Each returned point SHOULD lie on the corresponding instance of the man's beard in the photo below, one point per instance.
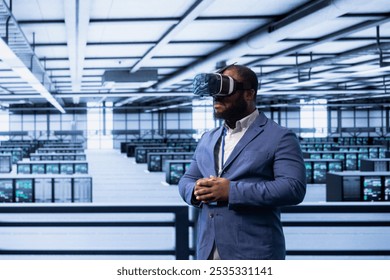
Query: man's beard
(234, 113)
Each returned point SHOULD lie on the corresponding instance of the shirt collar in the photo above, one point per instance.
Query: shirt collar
(244, 123)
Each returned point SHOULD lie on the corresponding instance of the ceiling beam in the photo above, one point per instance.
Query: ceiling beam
(77, 16)
(188, 18)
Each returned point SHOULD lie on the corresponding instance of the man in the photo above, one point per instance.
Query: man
(240, 175)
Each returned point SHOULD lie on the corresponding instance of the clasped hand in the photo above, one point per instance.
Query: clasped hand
(212, 189)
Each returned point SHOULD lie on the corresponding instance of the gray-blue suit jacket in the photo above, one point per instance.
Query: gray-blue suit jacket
(266, 171)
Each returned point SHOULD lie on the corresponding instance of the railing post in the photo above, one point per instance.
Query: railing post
(181, 234)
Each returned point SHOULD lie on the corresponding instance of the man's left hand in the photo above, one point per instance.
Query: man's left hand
(212, 189)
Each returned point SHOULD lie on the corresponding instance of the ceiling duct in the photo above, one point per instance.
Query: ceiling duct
(19, 56)
(127, 79)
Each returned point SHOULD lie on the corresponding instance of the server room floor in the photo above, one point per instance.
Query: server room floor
(118, 180)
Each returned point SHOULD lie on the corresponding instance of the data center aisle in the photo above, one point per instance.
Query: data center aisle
(119, 179)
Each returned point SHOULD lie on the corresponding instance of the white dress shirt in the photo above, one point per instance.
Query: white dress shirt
(233, 136)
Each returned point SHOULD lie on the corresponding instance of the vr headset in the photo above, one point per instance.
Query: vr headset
(215, 84)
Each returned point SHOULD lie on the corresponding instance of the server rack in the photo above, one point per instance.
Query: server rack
(316, 169)
(60, 150)
(5, 163)
(175, 169)
(375, 164)
(55, 156)
(156, 161)
(351, 159)
(17, 153)
(52, 167)
(141, 153)
(45, 188)
(358, 186)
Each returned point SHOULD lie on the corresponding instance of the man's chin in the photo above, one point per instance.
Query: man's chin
(219, 116)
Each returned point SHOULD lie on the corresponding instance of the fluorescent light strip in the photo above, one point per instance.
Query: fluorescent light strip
(168, 107)
(127, 100)
(12, 61)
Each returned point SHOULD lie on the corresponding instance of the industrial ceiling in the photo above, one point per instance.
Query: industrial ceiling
(60, 54)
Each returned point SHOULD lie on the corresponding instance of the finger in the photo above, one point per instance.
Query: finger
(202, 191)
(206, 182)
(199, 182)
(205, 198)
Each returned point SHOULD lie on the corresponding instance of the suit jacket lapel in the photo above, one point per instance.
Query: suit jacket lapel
(255, 129)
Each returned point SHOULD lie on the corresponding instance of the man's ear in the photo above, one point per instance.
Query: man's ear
(250, 95)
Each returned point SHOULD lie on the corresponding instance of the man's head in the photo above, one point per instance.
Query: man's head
(241, 102)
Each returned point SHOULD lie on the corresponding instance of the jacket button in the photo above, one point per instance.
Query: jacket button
(211, 215)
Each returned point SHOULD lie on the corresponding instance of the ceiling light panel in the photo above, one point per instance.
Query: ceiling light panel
(114, 50)
(143, 9)
(252, 7)
(38, 9)
(218, 30)
(170, 62)
(379, 7)
(52, 33)
(323, 28)
(109, 63)
(143, 31)
(189, 49)
(359, 59)
(371, 32)
(51, 51)
(274, 48)
(337, 47)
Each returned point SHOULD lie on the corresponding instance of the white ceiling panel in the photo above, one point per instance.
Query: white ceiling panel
(109, 63)
(359, 59)
(188, 49)
(336, 47)
(38, 9)
(169, 62)
(59, 72)
(55, 64)
(50, 33)
(51, 51)
(93, 72)
(371, 32)
(274, 48)
(323, 28)
(144, 31)
(129, 50)
(139, 9)
(381, 6)
(251, 7)
(218, 30)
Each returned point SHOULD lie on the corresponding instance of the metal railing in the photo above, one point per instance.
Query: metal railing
(180, 223)
(335, 209)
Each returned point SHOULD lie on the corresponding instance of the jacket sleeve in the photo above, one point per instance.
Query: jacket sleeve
(187, 182)
(288, 186)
